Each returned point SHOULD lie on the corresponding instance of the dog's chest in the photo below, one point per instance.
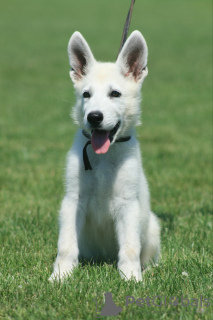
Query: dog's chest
(100, 196)
(106, 188)
(98, 229)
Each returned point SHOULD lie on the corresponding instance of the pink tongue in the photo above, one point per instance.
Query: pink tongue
(100, 141)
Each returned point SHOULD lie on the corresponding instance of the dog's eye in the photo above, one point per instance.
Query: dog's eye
(115, 94)
(86, 94)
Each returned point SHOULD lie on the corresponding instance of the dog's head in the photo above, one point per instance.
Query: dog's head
(108, 94)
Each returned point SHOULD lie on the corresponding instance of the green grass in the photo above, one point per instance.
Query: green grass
(36, 132)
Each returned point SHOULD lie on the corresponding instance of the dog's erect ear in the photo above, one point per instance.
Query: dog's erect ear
(133, 57)
(80, 56)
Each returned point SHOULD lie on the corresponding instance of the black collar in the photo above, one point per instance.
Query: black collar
(87, 164)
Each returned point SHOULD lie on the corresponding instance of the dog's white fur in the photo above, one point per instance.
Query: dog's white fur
(106, 212)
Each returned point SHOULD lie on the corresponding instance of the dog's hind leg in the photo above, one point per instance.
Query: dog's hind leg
(150, 252)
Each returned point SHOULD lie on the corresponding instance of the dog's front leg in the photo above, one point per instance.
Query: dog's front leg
(129, 231)
(67, 257)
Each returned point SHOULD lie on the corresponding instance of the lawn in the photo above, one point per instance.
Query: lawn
(36, 132)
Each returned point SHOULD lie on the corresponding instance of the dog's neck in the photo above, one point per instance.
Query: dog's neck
(87, 164)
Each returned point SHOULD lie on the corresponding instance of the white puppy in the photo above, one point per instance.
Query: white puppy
(106, 214)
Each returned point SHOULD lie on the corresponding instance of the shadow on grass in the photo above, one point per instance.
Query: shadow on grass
(97, 263)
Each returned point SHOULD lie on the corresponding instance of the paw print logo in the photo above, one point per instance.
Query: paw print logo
(110, 308)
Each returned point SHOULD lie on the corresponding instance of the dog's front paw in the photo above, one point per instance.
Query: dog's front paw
(55, 277)
(130, 272)
(62, 270)
(60, 275)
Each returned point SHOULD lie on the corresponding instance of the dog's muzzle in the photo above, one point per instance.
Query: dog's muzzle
(100, 140)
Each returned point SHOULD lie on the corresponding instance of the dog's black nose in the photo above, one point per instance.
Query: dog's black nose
(95, 118)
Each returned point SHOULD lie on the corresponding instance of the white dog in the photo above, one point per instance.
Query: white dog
(106, 214)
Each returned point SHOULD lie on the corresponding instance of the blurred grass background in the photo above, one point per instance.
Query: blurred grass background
(36, 132)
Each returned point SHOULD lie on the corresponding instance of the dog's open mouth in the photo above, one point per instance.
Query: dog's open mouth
(101, 139)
